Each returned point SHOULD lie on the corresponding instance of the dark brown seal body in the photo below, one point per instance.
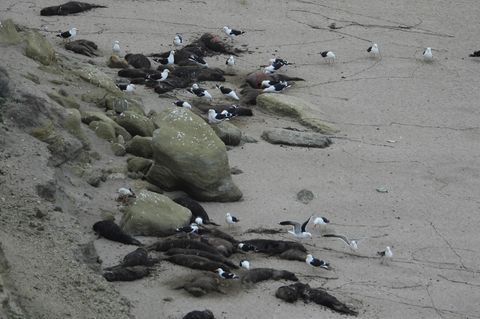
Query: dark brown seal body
(110, 230)
(201, 253)
(202, 284)
(84, 47)
(274, 247)
(182, 243)
(194, 207)
(138, 61)
(261, 274)
(196, 314)
(126, 273)
(197, 262)
(138, 257)
(68, 8)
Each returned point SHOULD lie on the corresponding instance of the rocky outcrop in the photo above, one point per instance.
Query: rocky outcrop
(39, 49)
(154, 214)
(228, 133)
(189, 156)
(139, 164)
(93, 75)
(140, 146)
(136, 124)
(296, 138)
(9, 33)
(295, 108)
(90, 116)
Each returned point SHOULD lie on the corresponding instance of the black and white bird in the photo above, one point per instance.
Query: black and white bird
(129, 88)
(267, 83)
(182, 104)
(246, 247)
(160, 77)
(279, 60)
(427, 54)
(116, 47)
(198, 60)
(245, 264)
(168, 60)
(215, 118)
(298, 230)
(226, 275)
(190, 229)
(320, 221)
(352, 243)
(312, 261)
(68, 35)
(231, 220)
(178, 40)
(200, 92)
(232, 33)
(475, 54)
(374, 50)
(275, 66)
(230, 61)
(125, 193)
(386, 254)
(279, 87)
(227, 92)
(329, 56)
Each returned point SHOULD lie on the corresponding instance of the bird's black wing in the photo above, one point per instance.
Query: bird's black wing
(304, 225)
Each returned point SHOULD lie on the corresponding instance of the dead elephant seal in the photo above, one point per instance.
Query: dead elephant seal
(138, 61)
(126, 273)
(201, 253)
(165, 245)
(261, 274)
(197, 262)
(84, 47)
(206, 314)
(274, 247)
(298, 290)
(68, 8)
(201, 284)
(138, 257)
(110, 230)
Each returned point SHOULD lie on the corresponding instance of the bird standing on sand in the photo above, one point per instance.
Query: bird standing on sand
(231, 220)
(227, 92)
(226, 275)
(245, 264)
(178, 40)
(427, 54)
(298, 231)
(232, 33)
(116, 47)
(275, 66)
(124, 194)
(386, 254)
(230, 61)
(312, 261)
(200, 92)
(68, 35)
(374, 50)
(329, 56)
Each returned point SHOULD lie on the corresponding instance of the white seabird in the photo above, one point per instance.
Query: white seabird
(329, 56)
(168, 60)
(275, 88)
(129, 88)
(427, 54)
(182, 104)
(178, 40)
(198, 60)
(298, 231)
(352, 243)
(215, 118)
(116, 47)
(226, 275)
(386, 254)
(273, 67)
(312, 261)
(228, 92)
(68, 35)
(230, 61)
(374, 50)
(320, 221)
(231, 220)
(245, 264)
(192, 228)
(125, 193)
(232, 33)
(200, 92)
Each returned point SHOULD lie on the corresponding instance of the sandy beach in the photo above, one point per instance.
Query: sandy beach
(405, 126)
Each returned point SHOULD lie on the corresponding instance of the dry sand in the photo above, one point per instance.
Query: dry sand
(431, 170)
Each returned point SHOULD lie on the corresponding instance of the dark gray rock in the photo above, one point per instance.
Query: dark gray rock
(47, 191)
(296, 138)
(305, 196)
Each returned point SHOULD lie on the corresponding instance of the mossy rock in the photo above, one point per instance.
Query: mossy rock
(93, 75)
(140, 146)
(72, 123)
(136, 124)
(39, 49)
(228, 133)
(121, 104)
(118, 149)
(302, 111)
(44, 132)
(67, 101)
(9, 33)
(139, 164)
(32, 77)
(89, 116)
(103, 130)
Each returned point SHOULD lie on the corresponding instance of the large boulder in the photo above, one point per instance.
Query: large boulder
(189, 156)
(228, 133)
(140, 146)
(296, 138)
(294, 107)
(93, 75)
(103, 130)
(136, 124)
(39, 49)
(153, 214)
(90, 116)
(9, 33)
